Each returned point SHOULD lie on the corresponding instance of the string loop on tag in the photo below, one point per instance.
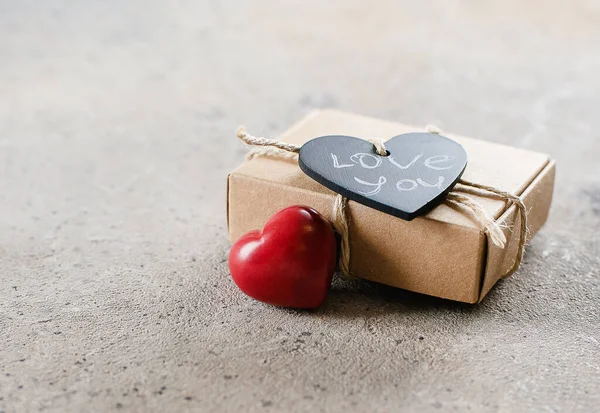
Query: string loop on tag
(261, 146)
(379, 146)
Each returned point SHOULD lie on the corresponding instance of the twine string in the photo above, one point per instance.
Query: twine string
(261, 146)
(379, 146)
(340, 222)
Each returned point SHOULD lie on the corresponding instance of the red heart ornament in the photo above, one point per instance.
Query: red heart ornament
(290, 262)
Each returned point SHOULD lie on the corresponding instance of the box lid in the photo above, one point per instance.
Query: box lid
(503, 167)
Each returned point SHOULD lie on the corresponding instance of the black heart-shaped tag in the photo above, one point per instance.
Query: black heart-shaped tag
(419, 170)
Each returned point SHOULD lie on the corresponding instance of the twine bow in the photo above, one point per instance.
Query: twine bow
(261, 146)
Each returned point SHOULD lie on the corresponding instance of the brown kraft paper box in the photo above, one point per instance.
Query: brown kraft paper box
(444, 253)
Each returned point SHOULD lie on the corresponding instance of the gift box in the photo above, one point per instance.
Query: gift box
(443, 253)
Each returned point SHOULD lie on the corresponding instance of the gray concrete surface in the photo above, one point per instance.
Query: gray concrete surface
(116, 134)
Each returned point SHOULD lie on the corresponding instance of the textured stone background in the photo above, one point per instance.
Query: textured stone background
(116, 134)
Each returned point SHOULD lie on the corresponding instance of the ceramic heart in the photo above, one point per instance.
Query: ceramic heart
(419, 170)
(290, 262)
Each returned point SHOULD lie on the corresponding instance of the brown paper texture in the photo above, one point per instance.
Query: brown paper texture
(443, 253)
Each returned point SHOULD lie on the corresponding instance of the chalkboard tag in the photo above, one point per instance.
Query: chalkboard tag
(418, 171)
